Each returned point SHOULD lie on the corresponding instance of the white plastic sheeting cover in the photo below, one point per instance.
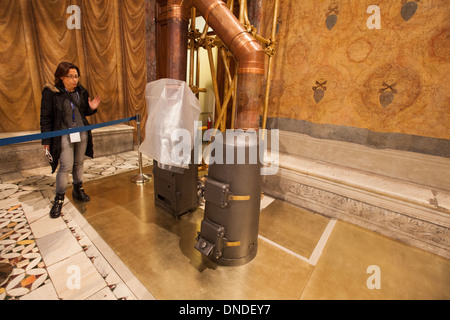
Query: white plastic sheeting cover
(172, 109)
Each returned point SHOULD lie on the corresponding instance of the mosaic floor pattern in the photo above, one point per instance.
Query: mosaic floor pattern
(18, 248)
(53, 258)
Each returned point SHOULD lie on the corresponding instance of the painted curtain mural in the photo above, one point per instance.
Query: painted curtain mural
(108, 47)
(331, 68)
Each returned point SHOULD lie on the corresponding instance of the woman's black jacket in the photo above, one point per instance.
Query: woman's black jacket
(52, 117)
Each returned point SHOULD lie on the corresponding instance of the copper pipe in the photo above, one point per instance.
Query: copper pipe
(247, 52)
(177, 42)
(244, 47)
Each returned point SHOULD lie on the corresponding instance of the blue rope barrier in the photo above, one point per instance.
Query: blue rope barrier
(52, 134)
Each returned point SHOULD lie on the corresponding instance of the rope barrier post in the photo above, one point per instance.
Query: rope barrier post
(141, 177)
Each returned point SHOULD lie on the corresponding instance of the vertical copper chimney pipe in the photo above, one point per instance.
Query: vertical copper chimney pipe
(248, 53)
(177, 41)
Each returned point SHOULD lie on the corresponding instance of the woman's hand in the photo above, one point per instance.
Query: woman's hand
(94, 103)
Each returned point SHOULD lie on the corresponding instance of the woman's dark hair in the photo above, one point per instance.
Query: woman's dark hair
(63, 70)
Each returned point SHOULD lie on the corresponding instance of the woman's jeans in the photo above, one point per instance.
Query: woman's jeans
(71, 160)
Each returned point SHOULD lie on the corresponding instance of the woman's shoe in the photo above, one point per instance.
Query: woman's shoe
(55, 212)
(78, 193)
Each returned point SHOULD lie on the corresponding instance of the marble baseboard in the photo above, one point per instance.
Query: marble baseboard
(364, 137)
(417, 168)
(414, 214)
(113, 140)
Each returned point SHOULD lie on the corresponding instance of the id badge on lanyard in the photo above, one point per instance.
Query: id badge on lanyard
(74, 137)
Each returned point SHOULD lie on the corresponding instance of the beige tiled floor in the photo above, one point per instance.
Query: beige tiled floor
(120, 246)
(405, 272)
(301, 255)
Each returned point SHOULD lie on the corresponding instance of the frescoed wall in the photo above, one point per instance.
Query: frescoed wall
(382, 66)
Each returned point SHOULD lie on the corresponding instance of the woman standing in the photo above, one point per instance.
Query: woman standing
(65, 105)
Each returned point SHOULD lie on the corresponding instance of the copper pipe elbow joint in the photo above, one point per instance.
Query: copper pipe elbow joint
(244, 47)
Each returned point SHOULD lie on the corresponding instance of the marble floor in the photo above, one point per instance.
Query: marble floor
(119, 246)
